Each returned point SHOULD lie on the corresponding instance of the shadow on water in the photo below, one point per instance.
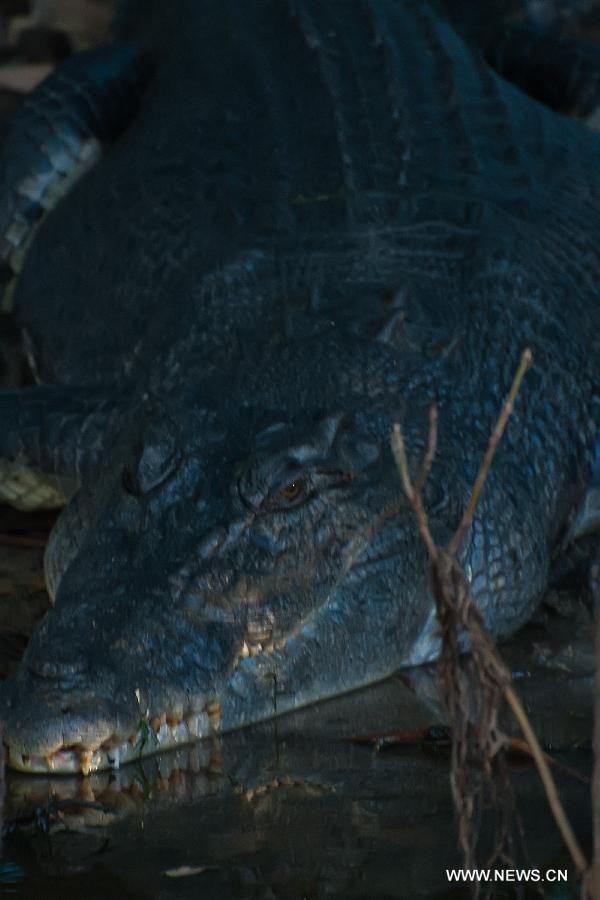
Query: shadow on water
(293, 809)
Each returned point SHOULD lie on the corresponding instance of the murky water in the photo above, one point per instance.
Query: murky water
(293, 809)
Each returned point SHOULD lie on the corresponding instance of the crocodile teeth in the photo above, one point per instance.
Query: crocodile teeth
(85, 761)
(213, 711)
(163, 734)
(158, 721)
(173, 719)
(166, 732)
(198, 725)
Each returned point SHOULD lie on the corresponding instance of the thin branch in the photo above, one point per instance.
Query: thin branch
(456, 541)
(556, 806)
(431, 448)
(414, 496)
(399, 451)
(456, 612)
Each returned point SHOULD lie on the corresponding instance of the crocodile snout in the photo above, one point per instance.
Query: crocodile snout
(46, 729)
(90, 728)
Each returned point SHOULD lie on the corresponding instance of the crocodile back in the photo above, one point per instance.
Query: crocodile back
(300, 131)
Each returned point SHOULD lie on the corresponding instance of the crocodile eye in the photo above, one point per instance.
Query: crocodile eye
(291, 496)
(292, 491)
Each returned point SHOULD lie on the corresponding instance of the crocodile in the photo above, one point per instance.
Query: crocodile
(249, 238)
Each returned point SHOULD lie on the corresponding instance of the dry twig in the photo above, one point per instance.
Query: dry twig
(483, 680)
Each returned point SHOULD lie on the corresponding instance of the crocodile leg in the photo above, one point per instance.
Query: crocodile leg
(61, 130)
(50, 437)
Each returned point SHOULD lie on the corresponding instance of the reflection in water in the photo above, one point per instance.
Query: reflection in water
(10, 876)
(293, 809)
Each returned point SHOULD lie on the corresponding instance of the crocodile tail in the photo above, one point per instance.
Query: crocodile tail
(60, 131)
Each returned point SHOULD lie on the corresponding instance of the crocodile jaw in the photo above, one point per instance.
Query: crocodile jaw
(149, 738)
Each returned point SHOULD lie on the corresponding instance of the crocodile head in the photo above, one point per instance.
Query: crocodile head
(208, 572)
(234, 559)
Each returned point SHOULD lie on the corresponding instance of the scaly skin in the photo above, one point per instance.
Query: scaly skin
(306, 234)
